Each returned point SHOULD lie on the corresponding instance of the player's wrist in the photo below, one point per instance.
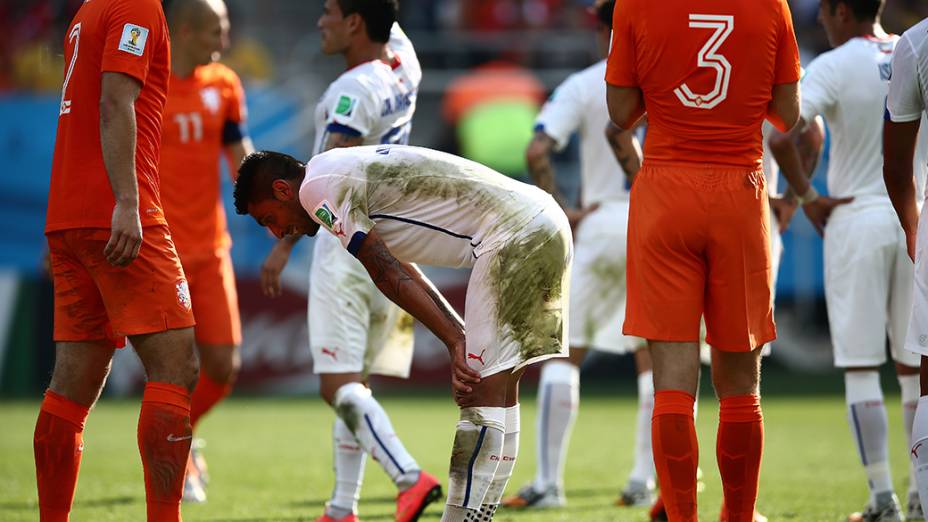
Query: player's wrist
(809, 196)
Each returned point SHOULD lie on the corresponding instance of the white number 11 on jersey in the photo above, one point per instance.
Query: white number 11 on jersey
(708, 57)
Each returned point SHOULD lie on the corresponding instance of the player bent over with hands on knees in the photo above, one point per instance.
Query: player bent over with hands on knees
(354, 331)
(393, 206)
(904, 146)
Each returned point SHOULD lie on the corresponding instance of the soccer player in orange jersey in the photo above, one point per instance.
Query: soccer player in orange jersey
(204, 118)
(698, 242)
(115, 270)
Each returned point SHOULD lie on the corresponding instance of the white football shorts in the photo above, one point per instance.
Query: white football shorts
(353, 327)
(868, 284)
(917, 338)
(516, 304)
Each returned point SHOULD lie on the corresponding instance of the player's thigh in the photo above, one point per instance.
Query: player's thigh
(597, 285)
(168, 356)
(901, 296)
(516, 302)
(80, 315)
(214, 299)
(81, 369)
(917, 333)
(665, 274)
(149, 295)
(339, 312)
(859, 256)
(389, 338)
(736, 373)
(739, 303)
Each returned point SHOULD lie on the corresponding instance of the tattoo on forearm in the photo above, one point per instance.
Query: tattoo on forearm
(387, 270)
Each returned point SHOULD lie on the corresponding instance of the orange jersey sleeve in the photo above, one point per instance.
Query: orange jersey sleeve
(706, 72)
(124, 36)
(204, 113)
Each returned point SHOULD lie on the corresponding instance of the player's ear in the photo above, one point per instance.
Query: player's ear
(355, 23)
(282, 190)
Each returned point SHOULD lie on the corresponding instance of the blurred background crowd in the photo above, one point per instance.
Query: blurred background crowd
(488, 67)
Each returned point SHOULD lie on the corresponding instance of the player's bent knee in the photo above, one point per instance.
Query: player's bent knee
(81, 370)
(335, 386)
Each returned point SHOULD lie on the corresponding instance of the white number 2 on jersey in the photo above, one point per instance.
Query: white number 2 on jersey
(73, 36)
(708, 57)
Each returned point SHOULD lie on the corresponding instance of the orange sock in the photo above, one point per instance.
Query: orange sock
(207, 394)
(58, 445)
(739, 448)
(676, 453)
(164, 442)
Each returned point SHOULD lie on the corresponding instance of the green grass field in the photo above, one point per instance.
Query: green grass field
(270, 460)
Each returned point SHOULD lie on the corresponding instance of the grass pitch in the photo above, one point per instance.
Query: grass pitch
(270, 460)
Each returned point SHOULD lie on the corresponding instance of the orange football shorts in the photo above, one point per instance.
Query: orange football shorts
(215, 300)
(96, 301)
(699, 245)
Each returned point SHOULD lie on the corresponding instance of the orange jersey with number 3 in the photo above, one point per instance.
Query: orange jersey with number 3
(204, 112)
(706, 70)
(123, 36)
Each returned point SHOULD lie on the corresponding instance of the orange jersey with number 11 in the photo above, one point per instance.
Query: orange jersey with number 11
(707, 70)
(204, 112)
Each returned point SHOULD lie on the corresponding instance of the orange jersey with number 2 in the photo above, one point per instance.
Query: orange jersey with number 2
(706, 70)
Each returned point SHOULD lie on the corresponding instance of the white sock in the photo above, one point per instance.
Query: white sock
(869, 427)
(507, 462)
(348, 462)
(909, 386)
(919, 450)
(643, 470)
(478, 443)
(558, 399)
(370, 425)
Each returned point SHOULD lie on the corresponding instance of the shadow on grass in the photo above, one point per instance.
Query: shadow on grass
(96, 502)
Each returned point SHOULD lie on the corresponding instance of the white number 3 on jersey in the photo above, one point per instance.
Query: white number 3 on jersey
(708, 57)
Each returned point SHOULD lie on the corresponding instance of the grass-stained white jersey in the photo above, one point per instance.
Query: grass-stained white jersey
(375, 100)
(430, 207)
(848, 86)
(908, 88)
(579, 104)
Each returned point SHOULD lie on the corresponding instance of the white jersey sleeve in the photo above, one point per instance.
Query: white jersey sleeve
(562, 114)
(905, 102)
(819, 89)
(400, 44)
(338, 203)
(350, 108)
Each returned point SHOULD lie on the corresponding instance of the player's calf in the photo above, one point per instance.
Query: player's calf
(475, 457)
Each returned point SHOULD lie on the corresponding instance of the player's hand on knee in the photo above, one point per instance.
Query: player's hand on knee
(819, 210)
(272, 267)
(462, 375)
(125, 235)
(783, 210)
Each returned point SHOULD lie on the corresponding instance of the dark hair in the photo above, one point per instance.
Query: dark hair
(378, 16)
(604, 13)
(256, 173)
(862, 9)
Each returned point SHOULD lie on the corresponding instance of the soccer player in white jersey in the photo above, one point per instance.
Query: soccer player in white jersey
(904, 147)
(354, 330)
(597, 290)
(392, 206)
(868, 277)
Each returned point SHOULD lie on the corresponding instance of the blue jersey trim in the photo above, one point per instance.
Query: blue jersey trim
(422, 224)
(355, 244)
(342, 129)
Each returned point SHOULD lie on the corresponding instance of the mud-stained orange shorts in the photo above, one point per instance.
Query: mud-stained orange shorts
(698, 244)
(95, 301)
(215, 300)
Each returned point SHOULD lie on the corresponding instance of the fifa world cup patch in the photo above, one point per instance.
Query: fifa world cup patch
(183, 294)
(133, 39)
(345, 105)
(327, 217)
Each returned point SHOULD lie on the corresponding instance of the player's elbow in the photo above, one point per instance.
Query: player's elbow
(779, 141)
(784, 106)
